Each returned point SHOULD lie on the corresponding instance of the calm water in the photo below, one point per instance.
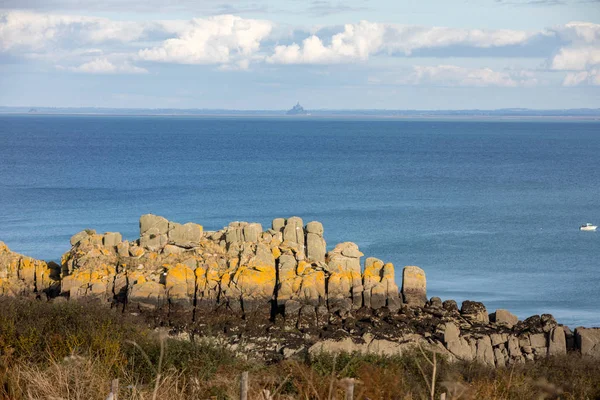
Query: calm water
(489, 209)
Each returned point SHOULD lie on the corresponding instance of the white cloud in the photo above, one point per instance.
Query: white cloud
(101, 45)
(359, 41)
(215, 40)
(34, 31)
(591, 77)
(104, 66)
(452, 75)
(586, 32)
(580, 55)
(576, 58)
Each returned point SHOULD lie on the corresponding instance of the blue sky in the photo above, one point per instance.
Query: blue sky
(266, 54)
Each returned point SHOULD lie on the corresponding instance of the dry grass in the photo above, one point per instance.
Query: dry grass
(74, 351)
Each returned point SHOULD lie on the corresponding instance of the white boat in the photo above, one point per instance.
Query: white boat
(587, 227)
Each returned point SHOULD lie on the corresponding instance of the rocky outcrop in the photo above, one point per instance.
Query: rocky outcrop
(308, 299)
(25, 276)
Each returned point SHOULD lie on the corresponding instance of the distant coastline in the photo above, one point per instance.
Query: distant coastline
(508, 113)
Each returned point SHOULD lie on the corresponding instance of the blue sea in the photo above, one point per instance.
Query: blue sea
(489, 209)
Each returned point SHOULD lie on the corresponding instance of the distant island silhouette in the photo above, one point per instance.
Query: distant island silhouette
(297, 110)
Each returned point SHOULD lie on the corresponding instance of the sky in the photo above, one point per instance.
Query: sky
(269, 54)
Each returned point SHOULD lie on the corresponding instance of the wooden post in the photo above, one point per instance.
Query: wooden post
(348, 384)
(443, 396)
(114, 390)
(350, 390)
(244, 386)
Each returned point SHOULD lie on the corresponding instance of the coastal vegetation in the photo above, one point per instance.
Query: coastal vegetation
(73, 350)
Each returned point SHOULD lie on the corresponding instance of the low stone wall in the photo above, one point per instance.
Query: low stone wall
(284, 275)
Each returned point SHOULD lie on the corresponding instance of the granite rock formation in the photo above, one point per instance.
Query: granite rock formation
(283, 281)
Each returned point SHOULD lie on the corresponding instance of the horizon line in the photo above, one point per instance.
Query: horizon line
(31, 107)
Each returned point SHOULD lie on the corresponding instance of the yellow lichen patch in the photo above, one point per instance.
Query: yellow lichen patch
(27, 270)
(293, 246)
(65, 258)
(388, 272)
(213, 276)
(258, 282)
(414, 278)
(137, 251)
(95, 253)
(276, 252)
(225, 279)
(301, 267)
(180, 281)
(313, 286)
(152, 255)
(319, 279)
(104, 272)
(297, 282)
(200, 273)
(340, 284)
(3, 248)
(372, 272)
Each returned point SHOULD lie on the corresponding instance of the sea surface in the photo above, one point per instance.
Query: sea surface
(489, 209)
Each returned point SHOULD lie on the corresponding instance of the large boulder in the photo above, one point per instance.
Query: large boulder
(180, 284)
(252, 232)
(588, 341)
(287, 277)
(414, 286)
(293, 232)
(186, 235)
(153, 232)
(153, 241)
(159, 225)
(485, 352)
(78, 237)
(345, 289)
(474, 312)
(379, 286)
(558, 342)
(504, 317)
(316, 247)
(148, 295)
(278, 224)
(451, 332)
(111, 239)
